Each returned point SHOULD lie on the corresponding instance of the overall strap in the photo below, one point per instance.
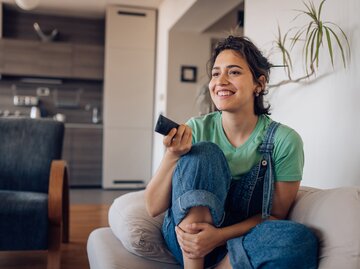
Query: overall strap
(266, 148)
(268, 143)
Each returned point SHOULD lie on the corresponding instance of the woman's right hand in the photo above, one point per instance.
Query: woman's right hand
(178, 141)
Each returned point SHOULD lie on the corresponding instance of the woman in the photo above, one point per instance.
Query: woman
(229, 178)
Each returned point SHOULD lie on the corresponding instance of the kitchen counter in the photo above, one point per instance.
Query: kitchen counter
(83, 125)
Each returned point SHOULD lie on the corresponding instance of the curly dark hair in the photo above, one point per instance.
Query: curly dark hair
(258, 64)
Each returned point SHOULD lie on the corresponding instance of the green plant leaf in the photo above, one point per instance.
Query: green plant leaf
(312, 56)
(313, 34)
(286, 58)
(310, 41)
(308, 29)
(344, 35)
(320, 7)
(296, 37)
(340, 46)
(313, 11)
(329, 45)
(318, 43)
(310, 11)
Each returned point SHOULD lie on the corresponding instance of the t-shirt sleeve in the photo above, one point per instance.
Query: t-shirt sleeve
(192, 124)
(288, 156)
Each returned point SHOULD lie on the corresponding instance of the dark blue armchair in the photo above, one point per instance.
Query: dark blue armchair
(34, 195)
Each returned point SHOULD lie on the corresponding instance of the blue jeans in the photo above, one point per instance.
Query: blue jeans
(202, 178)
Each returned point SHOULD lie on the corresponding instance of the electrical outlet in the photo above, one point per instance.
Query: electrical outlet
(23, 100)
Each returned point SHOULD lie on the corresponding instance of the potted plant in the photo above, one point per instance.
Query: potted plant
(316, 35)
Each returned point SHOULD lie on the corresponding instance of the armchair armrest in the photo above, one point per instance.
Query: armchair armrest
(58, 207)
(334, 215)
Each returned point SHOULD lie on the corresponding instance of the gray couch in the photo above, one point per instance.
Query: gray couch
(133, 240)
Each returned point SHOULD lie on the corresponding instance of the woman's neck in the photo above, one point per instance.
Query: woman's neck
(238, 127)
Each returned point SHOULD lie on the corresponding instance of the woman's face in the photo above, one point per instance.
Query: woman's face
(232, 87)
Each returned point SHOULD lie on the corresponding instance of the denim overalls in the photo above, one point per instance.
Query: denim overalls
(202, 178)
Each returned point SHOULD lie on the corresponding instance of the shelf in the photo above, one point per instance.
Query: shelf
(52, 59)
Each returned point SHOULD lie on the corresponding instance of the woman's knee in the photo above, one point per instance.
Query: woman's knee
(201, 178)
(282, 243)
(205, 166)
(206, 154)
(282, 233)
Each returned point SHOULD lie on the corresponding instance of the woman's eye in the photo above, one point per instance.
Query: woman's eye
(215, 74)
(234, 72)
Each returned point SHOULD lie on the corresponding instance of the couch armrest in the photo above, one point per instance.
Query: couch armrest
(334, 215)
(58, 207)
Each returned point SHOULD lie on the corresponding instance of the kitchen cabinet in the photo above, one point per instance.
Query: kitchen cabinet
(128, 96)
(88, 61)
(56, 59)
(82, 150)
(35, 58)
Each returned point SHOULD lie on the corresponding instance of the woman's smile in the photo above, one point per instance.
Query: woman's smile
(225, 93)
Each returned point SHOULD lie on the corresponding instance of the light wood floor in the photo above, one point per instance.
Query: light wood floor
(83, 220)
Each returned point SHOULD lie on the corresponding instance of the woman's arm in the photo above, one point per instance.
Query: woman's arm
(158, 191)
(208, 237)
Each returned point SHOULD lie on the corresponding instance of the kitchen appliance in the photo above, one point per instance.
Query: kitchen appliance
(35, 112)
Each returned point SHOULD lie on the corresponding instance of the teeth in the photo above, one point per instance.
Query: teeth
(224, 93)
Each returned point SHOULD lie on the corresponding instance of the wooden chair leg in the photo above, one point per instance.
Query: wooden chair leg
(65, 212)
(54, 259)
(54, 250)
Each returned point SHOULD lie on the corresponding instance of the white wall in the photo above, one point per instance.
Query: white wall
(188, 46)
(169, 12)
(325, 112)
(173, 98)
(191, 49)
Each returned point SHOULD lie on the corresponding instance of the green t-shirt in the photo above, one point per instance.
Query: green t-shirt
(288, 154)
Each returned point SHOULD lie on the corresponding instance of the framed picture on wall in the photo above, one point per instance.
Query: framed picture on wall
(188, 73)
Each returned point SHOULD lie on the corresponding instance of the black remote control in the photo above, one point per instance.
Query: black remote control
(164, 125)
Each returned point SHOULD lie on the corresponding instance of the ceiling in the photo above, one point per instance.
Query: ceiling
(84, 8)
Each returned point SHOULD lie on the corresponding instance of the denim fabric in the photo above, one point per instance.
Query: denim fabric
(197, 191)
(204, 161)
(202, 178)
(279, 244)
(266, 149)
(244, 198)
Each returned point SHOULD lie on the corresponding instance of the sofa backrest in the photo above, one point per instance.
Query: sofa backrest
(27, 147)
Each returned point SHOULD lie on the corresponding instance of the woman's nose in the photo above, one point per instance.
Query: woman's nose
(222, 80)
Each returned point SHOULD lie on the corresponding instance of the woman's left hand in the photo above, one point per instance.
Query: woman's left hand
(202, 239)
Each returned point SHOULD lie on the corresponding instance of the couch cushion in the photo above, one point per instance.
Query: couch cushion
(334, 215)
(105, 251)
(24, 220)
(139, 233)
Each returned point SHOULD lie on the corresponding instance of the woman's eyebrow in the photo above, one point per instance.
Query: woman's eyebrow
(228, 66)
(234, 65)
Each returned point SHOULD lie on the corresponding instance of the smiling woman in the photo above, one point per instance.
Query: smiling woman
(239, 171)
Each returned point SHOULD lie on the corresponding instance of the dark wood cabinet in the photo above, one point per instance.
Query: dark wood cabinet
(57, 59)
(88, 61)
(83, 152)
(20, 58)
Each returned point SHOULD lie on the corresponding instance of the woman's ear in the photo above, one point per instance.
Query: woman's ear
(262, 82)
